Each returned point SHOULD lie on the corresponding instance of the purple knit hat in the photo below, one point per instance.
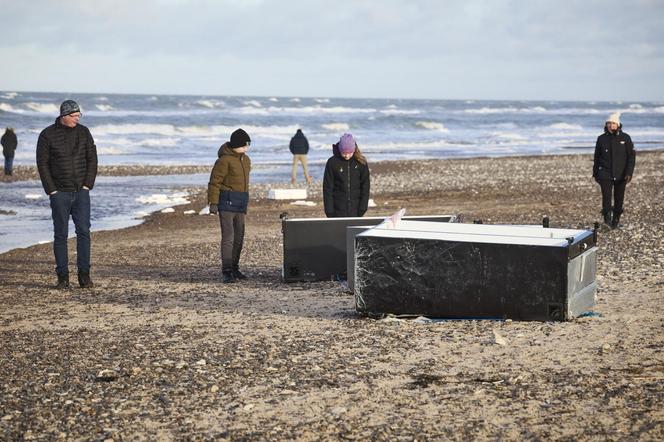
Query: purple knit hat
(346, 144)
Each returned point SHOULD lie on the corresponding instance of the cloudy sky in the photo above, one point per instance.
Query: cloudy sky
(466, 49)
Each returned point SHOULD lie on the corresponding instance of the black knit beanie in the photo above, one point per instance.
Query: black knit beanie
(239, 138)
(69, 107)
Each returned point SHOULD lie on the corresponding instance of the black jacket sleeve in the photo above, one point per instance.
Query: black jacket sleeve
(596, 159)
(43, 155)
(631, 157)
(291, 146)
(328, 189)
(365, 186)
(91, 161)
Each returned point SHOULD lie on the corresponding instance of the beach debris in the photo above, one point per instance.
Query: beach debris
(287, 194)
(106, 375)
(189, 212)
(372, 203)
(303, 203)
(498, 339)
(201, 362)
(205, 211)
(168, 210)
(214, 389)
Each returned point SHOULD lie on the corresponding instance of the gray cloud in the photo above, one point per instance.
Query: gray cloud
(502, 48)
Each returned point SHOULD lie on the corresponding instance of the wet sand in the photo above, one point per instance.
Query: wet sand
(160, 349)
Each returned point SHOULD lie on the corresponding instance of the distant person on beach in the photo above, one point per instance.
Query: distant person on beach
(228, 195)
(9, 143)
(67, 165)
(613, 167)
(346, 182)
(299, 147)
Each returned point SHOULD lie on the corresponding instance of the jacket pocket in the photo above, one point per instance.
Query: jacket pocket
(231, 201)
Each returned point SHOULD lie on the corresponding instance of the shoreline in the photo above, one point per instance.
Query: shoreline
(161, 349)
(23, 173)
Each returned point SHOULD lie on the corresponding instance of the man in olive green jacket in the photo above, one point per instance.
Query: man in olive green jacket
(228, 195)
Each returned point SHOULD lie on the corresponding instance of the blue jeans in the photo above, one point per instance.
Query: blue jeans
(9, 162)
(76, 204)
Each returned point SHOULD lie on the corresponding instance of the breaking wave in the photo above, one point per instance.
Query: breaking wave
(336, 127)
(432, 125)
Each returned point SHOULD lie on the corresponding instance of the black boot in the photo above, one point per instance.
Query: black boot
(63, 282)
(238, 274)
(615, 222)
(84, 280)
(607, 217)
(228, 276)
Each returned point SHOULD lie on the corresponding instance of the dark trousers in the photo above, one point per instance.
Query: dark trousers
(76, 204)
(232, 238)
(617, 188)
(9, 162)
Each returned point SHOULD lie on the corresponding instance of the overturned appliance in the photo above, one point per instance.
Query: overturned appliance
(475, 271)
(315, 248)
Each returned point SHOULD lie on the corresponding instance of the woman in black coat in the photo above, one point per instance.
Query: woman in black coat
(613, 167)
(346, 182)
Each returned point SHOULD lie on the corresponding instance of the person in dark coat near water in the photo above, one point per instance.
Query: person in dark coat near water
(299, 147)
(346, 181)
(9, 143)
(613, 167)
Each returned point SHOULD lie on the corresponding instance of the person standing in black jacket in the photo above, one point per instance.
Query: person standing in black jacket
(613, 167)
(346, 182)
(9, 143)
(67, 165)
(299, 147)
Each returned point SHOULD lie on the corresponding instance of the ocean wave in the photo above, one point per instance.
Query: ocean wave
(211, 104)
(322, 100)
(275, 110)
(400, 111)
(9, 95)
(110, 151)
(46, 108)
(171, 130)
(432, 125)
(5, 107)
(253, 103)
(502, 110)
(159, 142)
(565, 126)
(396, 145)
(336, 127)
(273, 99)
(102, 98)
(104, 107)
(295, 100)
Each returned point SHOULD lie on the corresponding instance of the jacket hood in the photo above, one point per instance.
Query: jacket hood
(335, 151)
(225, 149)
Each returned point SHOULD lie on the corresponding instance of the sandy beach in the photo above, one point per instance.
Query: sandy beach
(161, 350)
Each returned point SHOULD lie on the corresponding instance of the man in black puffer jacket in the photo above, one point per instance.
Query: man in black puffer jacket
(67, 164)
(613, 167)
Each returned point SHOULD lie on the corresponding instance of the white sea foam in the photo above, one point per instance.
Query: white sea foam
(9, 95)
(504, 110)
(33, 196)
(566, 126)
(211, 104)
(189, 212)
(322, 100)
(432, 125)
(295, 100)
(168, 210)
(400, 111)
(511, 136)
(336, 127)
(164, 199)
(394, 145)
(110, 151)
(635, 106)
(253, 103)
(102, 98)
(47, 108)
(5, 107)
(104, 107)
(273, 99)
(159, 142)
